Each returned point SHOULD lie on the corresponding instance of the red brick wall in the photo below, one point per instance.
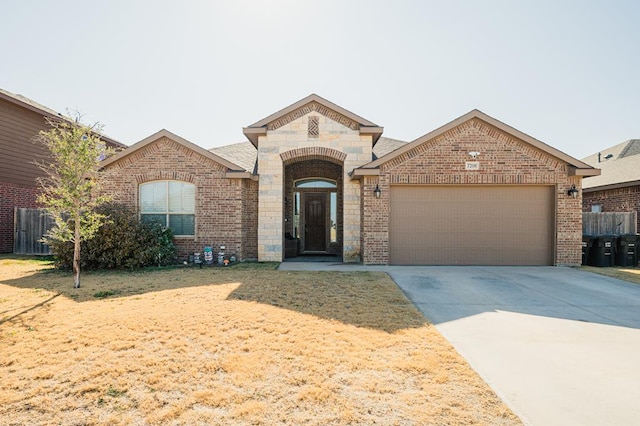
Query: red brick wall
(250, 219)
(11, 196)
(441, 161)
(375, 221)
(224, 207)
(614, 200)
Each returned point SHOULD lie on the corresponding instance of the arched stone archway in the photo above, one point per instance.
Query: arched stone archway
(313, 214)
(313, 153)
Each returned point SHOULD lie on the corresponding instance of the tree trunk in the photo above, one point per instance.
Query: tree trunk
(76, 255)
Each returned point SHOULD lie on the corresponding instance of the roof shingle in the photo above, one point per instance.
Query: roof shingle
(623, 166)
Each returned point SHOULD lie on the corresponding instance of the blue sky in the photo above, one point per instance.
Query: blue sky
(564, 72)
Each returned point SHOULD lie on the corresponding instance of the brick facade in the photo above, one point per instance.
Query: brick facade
(250, 219)
(625, 199)
(312, 141)
(504, 160)
(11, 196)
(226, 210)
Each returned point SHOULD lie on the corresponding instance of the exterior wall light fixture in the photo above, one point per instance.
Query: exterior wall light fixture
(377, 191)
(573, 192)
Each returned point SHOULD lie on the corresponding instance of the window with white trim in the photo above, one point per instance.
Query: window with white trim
(170, 203)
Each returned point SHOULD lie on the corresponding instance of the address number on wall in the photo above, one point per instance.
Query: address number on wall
(472, 165)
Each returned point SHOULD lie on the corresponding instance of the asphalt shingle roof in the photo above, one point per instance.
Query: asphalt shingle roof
(30, 102)
(622, 166)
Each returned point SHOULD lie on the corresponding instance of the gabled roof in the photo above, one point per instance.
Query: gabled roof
(34, 106)
(260, 127)
(167, 134)
(578, 168)
(620, 165)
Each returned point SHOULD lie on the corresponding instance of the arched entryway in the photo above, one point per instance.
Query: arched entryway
(313, 200)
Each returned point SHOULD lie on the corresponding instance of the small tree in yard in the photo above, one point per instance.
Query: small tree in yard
(70, 188)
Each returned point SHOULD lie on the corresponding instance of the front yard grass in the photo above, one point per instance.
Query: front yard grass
(624, 273)
(240, 345)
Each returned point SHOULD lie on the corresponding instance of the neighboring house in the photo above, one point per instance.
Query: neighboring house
(473, 192)
(21, 119)
(617, 189)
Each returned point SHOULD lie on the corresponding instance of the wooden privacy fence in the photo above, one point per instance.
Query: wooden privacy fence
(29, 227)
(609, 223)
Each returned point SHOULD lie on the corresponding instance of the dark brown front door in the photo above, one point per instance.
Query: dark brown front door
(315, 237)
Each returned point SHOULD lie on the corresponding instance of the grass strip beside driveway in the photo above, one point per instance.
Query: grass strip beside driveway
(240, 345)
(624, 273)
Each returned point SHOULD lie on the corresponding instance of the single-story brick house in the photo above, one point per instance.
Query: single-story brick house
(315, 178)
(617, 188)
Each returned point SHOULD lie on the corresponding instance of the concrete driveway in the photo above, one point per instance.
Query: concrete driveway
(560, 346)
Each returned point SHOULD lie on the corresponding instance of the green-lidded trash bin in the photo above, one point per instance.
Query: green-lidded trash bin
(603, 251)
(587, 242)
(627, 250)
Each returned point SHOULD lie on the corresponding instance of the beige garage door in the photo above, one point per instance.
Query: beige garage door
(472, 225)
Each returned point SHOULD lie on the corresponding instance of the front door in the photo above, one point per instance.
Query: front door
(315, 229)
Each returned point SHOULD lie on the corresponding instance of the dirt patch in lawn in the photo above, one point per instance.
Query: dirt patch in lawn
(240, 345)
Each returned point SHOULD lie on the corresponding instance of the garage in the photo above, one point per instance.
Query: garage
(472, 225)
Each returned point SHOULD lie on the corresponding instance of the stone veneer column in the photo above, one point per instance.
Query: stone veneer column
(294, 135)
(270, 220)
(358, 153)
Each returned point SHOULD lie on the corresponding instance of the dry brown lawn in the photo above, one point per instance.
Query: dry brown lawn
(240, 345)
(629, 274)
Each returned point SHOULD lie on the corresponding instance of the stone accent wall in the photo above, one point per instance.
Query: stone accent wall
(614, 200)
(12, 195)
(504, 160)
(225, 208)
(290, 133)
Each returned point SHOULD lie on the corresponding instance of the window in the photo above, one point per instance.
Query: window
(596, 208)
(333, 209)
(171, 203)
(316, 183)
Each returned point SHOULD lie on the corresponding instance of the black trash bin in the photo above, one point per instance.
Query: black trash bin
(587, 242)
(627, 250)
(603, 251)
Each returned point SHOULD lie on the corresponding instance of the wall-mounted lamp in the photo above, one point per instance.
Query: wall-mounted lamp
(474, 154)
(573, 192)
(377, 191)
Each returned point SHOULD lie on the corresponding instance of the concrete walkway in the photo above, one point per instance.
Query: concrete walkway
(560, 346)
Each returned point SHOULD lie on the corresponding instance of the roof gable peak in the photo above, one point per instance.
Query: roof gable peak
(311, 103)
(164, 133)
(479, 115)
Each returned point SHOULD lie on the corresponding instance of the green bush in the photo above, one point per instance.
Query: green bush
(122, 243)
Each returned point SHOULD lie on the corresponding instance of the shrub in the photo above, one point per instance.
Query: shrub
(122, 243)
